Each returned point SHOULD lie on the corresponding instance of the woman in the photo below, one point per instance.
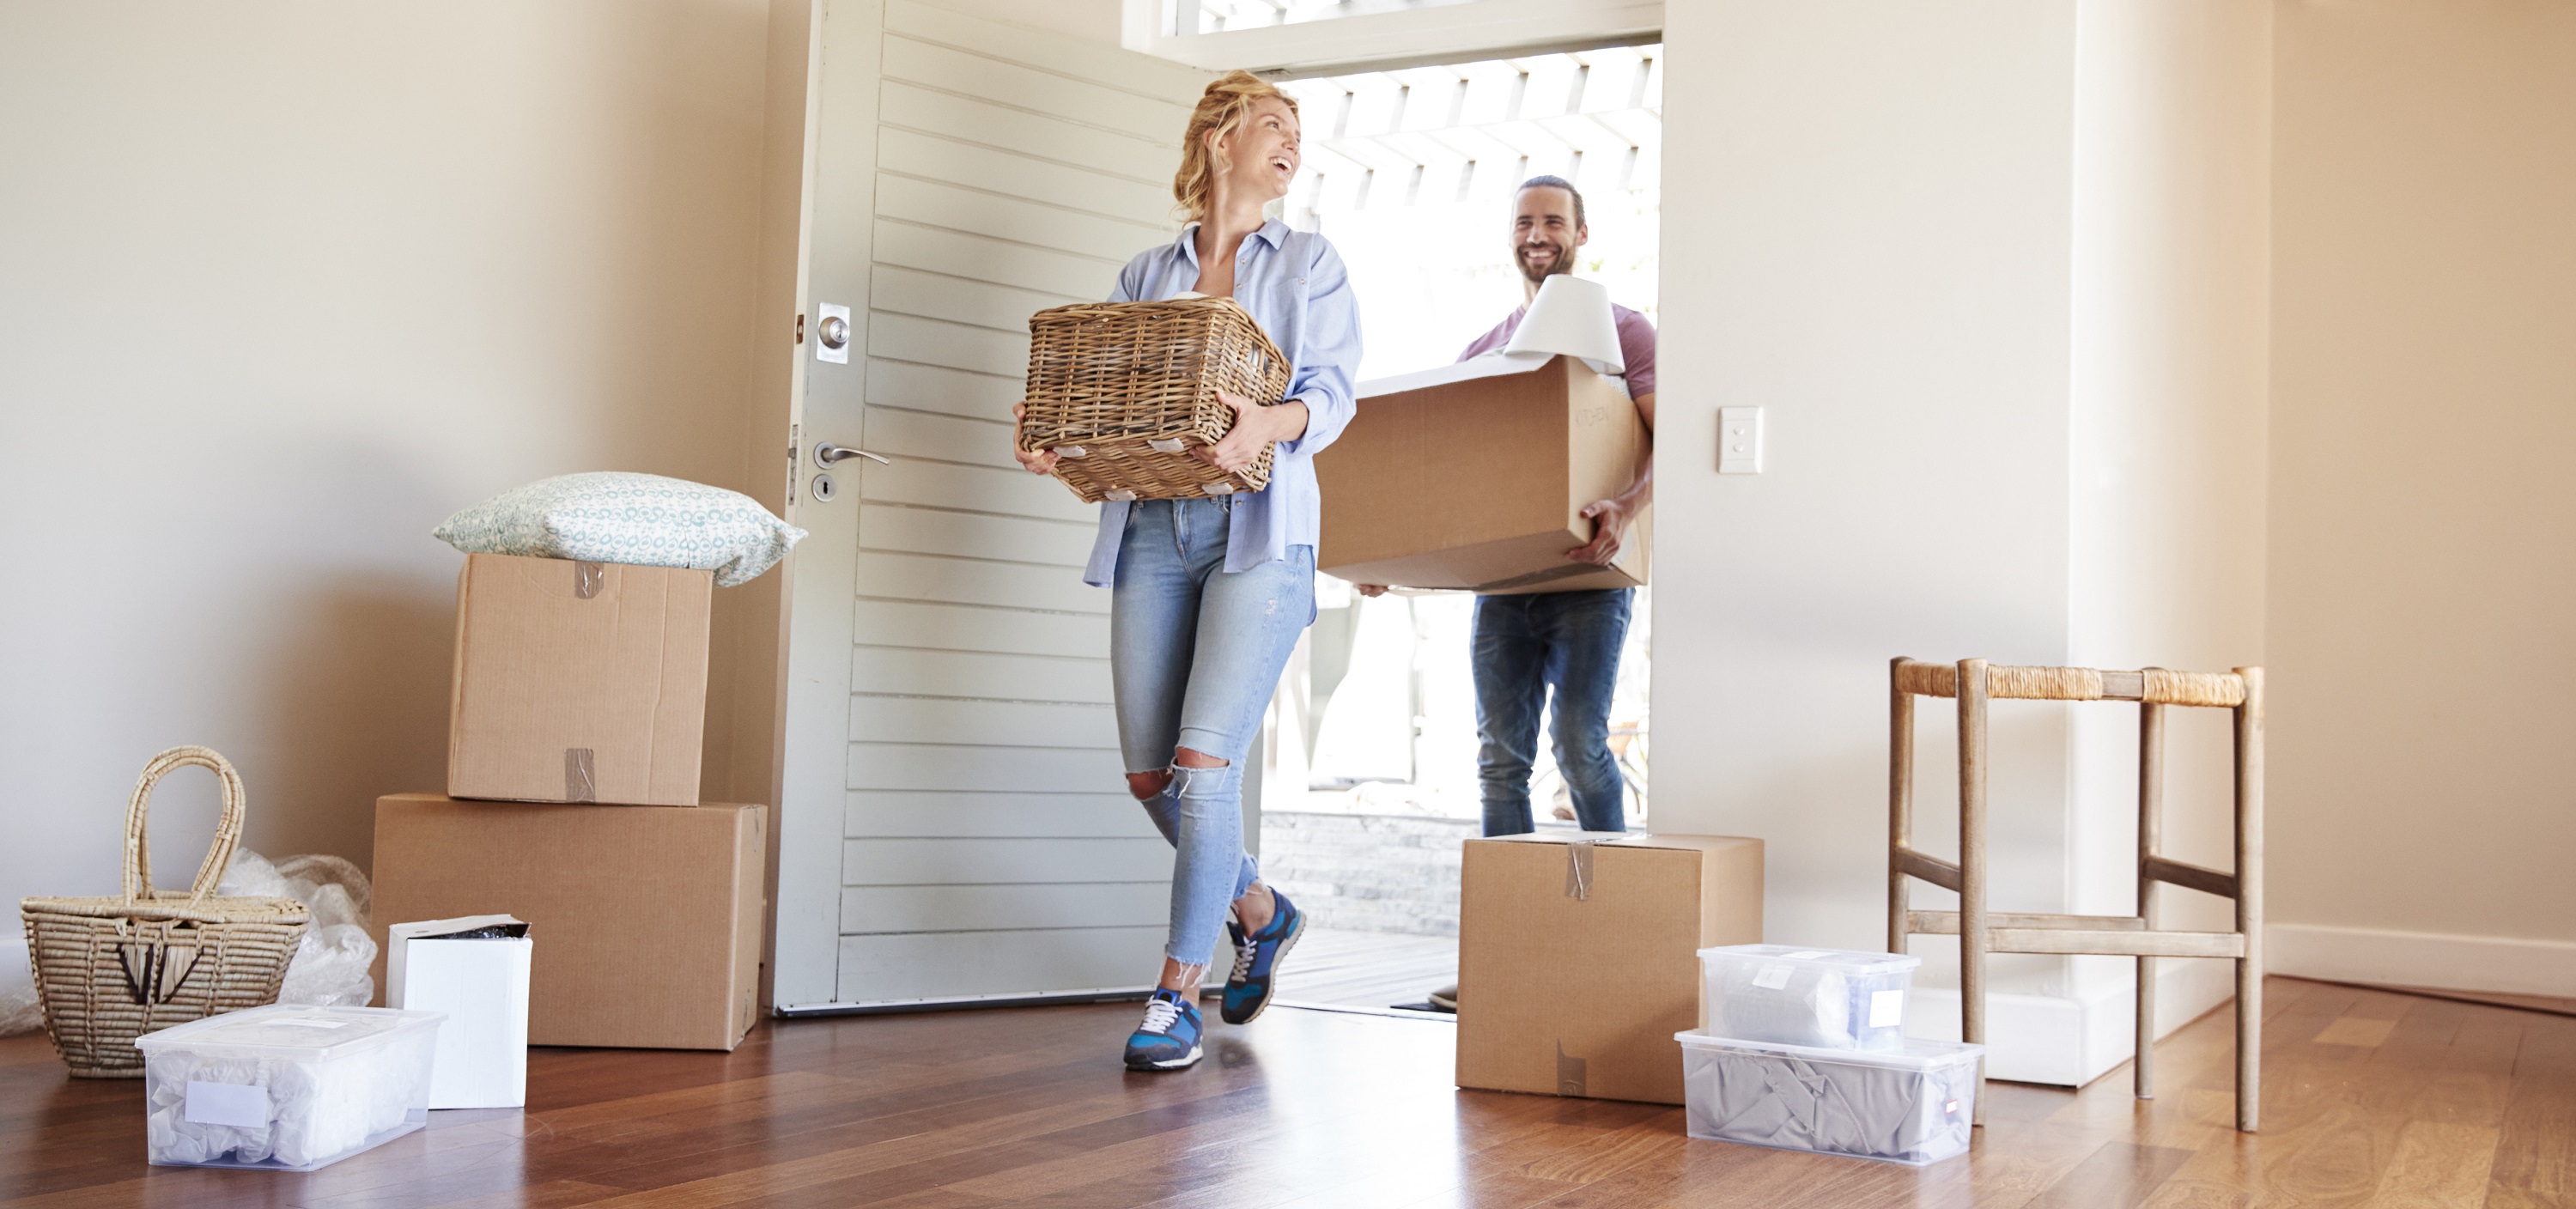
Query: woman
(1208, 595)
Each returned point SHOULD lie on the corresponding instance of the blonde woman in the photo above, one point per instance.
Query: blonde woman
(1208, 595)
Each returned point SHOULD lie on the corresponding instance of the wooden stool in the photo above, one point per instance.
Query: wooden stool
(1973, 682)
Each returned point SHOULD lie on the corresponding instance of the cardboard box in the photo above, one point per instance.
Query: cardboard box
(1476, 475)
(652, 919)
(1578, 956)
(481, 984)
(578, 682)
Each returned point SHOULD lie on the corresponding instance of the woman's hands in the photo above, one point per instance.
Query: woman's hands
(1254, 427)
(1041, 462)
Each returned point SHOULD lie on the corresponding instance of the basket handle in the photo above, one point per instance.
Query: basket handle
(138, 852)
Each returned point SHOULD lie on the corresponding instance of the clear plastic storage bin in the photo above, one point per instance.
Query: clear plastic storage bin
(1911, 1105)
(1820, 997)
(285, 1088)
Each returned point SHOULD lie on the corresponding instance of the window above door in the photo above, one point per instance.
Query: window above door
(1313, 37)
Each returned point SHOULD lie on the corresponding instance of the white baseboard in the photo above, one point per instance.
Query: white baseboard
(2069, 1041)
(2422, 959)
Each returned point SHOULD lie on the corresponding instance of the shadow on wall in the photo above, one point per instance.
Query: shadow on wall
(355, 705)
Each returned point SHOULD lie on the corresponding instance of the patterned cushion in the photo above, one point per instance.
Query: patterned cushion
(615, 517)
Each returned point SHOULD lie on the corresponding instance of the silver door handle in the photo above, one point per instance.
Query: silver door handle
(827, 454)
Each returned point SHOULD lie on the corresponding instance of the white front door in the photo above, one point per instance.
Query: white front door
(953, 825)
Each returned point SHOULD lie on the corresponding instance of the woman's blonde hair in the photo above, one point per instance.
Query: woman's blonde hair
(1223, 109)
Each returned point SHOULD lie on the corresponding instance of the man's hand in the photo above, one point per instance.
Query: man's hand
(1371, 589)
(1610, 520)
(1254, 427)
(1041, 462)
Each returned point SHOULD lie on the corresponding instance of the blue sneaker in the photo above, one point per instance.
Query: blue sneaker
(1169, 1037)
(1256, 960)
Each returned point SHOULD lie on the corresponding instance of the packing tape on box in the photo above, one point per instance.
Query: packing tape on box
(587, 579)
(1578, 871)
(1570, 1073)
(581, 775)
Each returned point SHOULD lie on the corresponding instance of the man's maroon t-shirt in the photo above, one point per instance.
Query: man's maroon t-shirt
(1636, 345)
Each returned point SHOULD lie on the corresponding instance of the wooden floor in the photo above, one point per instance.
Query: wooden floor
(2371, 1099)
(1367, 970)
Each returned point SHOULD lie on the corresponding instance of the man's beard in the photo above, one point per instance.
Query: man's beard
(1563, 264)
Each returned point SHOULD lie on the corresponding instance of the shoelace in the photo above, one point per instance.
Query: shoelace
(1243, 955)
(1159, 1015)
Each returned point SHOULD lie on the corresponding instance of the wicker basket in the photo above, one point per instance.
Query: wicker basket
(111, 969)
(1124, 390)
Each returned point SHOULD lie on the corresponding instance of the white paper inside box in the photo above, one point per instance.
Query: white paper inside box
(285, 1088)
(1913, 1105)
(1822, 997)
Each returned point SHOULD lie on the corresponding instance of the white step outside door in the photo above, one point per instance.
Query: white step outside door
(954, 826)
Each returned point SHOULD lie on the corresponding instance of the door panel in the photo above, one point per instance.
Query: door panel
(915, 815)
(966, 174)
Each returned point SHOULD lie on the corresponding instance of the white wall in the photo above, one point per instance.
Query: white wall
(1984, 265)
(281, 285)
(2423, 528)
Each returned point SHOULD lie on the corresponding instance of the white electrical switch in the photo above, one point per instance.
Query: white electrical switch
(1739, 440)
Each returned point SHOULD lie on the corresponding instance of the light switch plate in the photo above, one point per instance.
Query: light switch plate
(1739, 440)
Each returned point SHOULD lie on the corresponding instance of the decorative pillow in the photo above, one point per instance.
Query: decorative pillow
(616, 517)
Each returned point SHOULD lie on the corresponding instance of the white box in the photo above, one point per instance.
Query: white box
(1828, 998)
(1913, 1105)
(482, 986)
(283, 1087)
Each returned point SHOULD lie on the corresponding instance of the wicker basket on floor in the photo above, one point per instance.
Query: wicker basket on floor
(1124, 390)
(113, 968)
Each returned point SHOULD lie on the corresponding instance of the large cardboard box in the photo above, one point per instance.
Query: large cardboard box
(652, 919)
(1578, 956)
(578, 681)
(1476, 476)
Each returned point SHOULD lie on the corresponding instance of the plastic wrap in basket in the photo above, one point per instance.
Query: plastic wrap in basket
(112, 968)
(1124, 390)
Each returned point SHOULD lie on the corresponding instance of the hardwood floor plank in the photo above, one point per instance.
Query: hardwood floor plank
(2120, 1173)
(2371, 1099)
(2535, 1160)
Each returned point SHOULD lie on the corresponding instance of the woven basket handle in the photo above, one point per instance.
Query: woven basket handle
(138, 852)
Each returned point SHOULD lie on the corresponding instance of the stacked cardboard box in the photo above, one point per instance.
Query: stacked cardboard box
(574, 741)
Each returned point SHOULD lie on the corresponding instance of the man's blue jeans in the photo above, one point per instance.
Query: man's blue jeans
(1195, 651)
(1526, 647)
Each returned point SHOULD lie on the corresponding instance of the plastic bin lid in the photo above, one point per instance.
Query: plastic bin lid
(289, 1031)
(1917, 1054)
(1841, 959)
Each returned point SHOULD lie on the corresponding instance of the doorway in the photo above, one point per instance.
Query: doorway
(1370, 783)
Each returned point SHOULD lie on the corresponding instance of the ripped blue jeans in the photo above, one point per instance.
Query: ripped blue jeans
(1194, 653)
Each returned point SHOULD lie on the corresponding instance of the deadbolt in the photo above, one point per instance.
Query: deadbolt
(835, 331)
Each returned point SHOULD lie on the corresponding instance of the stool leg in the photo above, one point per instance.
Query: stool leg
(1972, 864)
(2151, 761)
(2249, 900)
(1900, 804)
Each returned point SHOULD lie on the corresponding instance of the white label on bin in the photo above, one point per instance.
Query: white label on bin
(1804, 955)
(1771, 978)
(227, 1104)
(1886, 1009)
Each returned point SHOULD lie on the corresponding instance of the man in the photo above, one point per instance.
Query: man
(1527, 646)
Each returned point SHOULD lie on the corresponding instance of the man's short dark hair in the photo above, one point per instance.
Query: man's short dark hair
(1556, 182)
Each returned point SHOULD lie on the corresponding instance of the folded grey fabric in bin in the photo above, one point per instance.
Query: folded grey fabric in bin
(1912, 1105)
